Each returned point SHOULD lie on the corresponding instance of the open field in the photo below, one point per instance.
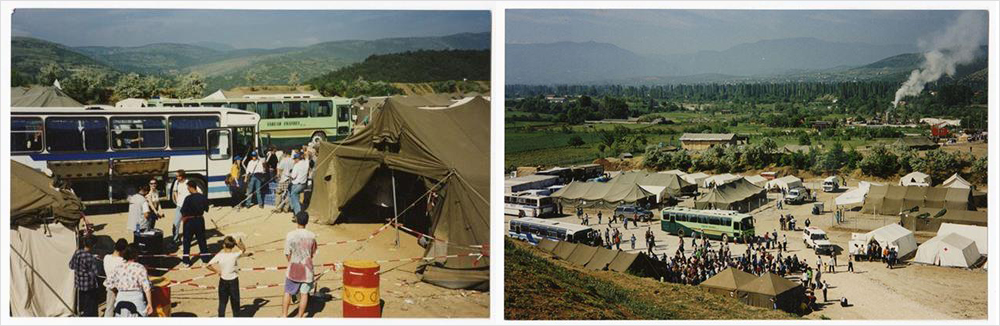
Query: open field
(401, 289)
(911, 291)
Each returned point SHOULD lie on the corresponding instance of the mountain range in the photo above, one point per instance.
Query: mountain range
(779, 60)
(222, 66)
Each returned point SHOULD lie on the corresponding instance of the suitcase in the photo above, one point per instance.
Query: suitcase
(149, 243)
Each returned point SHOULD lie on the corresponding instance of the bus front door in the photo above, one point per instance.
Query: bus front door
(218, 159)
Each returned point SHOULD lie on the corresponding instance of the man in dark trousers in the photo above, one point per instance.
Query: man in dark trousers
(84, 266)
(193, 211)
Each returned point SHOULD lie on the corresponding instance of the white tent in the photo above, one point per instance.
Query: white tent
(757, 180)
(892, 236)
(915, 178)
(718, 180)
(854, 197)
(41, 283)
(956, 181)
(785, 183)
(658, 190)
(695, 178)
(951, 250)
(979, 234)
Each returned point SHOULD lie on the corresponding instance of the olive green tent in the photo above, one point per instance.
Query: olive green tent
(728, 281)
(42, 240)
(664, 185)
(582, 255)
(547, 245)
(447, 152)
(635, 263)
(40, 96)
(892, 199)
(601, 259)
(739, 195)
(787, 295)
(603, 195)
(564, 249)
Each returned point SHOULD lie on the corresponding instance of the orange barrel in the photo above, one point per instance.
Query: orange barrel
(361, 297)
(160, 291)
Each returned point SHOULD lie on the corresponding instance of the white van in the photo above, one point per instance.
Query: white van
(815, 238)
(831, 184)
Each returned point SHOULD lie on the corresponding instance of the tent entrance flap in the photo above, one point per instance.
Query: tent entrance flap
(379, 201)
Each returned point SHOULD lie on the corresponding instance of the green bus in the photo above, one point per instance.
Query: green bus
(285, 120)
(712, 223)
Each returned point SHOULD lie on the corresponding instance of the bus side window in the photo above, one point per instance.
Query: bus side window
(25, 134)
(189, 132)
(295, 110)
(324, 109)
(77, 134)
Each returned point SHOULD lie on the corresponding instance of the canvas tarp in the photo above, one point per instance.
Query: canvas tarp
(979, 234)
(564, 249)
(601, 259)
(728, 280)
(634, 263)
(891, 199)
(41, 283)
(447, 148)
(582, 255)
(784, 183)
(37, 202)
(915, 178)
(786, 294)
(719, 179)
(667, 184)
(854, 197)
(547, 244)
(697, 178)
(41, 96)
(956, 181)
(757, 180)
(603, 195)
(739, 195)
(949, 250)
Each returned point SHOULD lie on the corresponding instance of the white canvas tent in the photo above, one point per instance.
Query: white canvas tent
(979, 234)
(695, 178)
(951, 250)
(891, 236)
(784, 183)
(915, 178)
(41, 283)
(956, 181)
(757, 180)
(718, 180)
(854, 197)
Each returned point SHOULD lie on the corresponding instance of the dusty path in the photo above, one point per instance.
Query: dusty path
(910, 292)
(404, 294)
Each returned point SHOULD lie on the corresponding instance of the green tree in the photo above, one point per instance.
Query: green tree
(190, 86)
(88, 86)
(251, 78)
(293, 79)
(979, 171)
(880, 162)
(575, 141)
(940, 164)
(804, 139)
(49, 73)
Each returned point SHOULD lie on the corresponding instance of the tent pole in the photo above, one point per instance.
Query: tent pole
(395, 210)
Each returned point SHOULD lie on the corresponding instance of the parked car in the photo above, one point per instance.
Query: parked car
(797, 196)
(630, 210)
(831, 184)
(816, 238)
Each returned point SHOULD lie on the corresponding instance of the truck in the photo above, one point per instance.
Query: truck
(831, 184)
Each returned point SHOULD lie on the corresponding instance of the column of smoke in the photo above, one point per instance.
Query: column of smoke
(959, 44)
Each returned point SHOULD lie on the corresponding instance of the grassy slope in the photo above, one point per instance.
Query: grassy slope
(535, 287)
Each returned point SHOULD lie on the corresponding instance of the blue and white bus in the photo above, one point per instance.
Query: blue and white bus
(106, 152)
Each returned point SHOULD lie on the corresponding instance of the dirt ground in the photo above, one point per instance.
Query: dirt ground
(909, 292)
(403, 293)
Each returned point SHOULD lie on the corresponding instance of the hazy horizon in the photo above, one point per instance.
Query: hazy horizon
(675, 31)
(239, 29)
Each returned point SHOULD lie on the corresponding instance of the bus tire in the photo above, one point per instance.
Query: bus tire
(318, 136)
(200, 184)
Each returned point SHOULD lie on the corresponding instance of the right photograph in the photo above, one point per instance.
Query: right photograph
(745, 164)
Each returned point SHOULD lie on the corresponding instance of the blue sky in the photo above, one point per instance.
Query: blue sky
(238, 28)
(686, 31)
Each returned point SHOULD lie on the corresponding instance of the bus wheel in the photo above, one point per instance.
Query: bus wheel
(318, 136)
(200, 184)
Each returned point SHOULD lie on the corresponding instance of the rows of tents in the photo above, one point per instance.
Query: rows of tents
(955, 245)
(599, 258)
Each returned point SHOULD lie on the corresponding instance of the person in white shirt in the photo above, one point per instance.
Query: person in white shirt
(111, 263)
(138, 211)
(181, 192)
(284, 182)
(255, 174)
(225, 264)
(299, 176)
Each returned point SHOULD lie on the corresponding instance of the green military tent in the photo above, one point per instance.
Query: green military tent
(40, 96)
(729, 281)
(892, 199)
(603, 195)
(564, 249)
(582, 255)
(739, 195)
(664, 185)
(42, 241)
(602, 258)
(445, 152)
(787, 295)
(635, 263)
(547, 245)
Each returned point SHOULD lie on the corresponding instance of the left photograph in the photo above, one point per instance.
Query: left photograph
(250, 163)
